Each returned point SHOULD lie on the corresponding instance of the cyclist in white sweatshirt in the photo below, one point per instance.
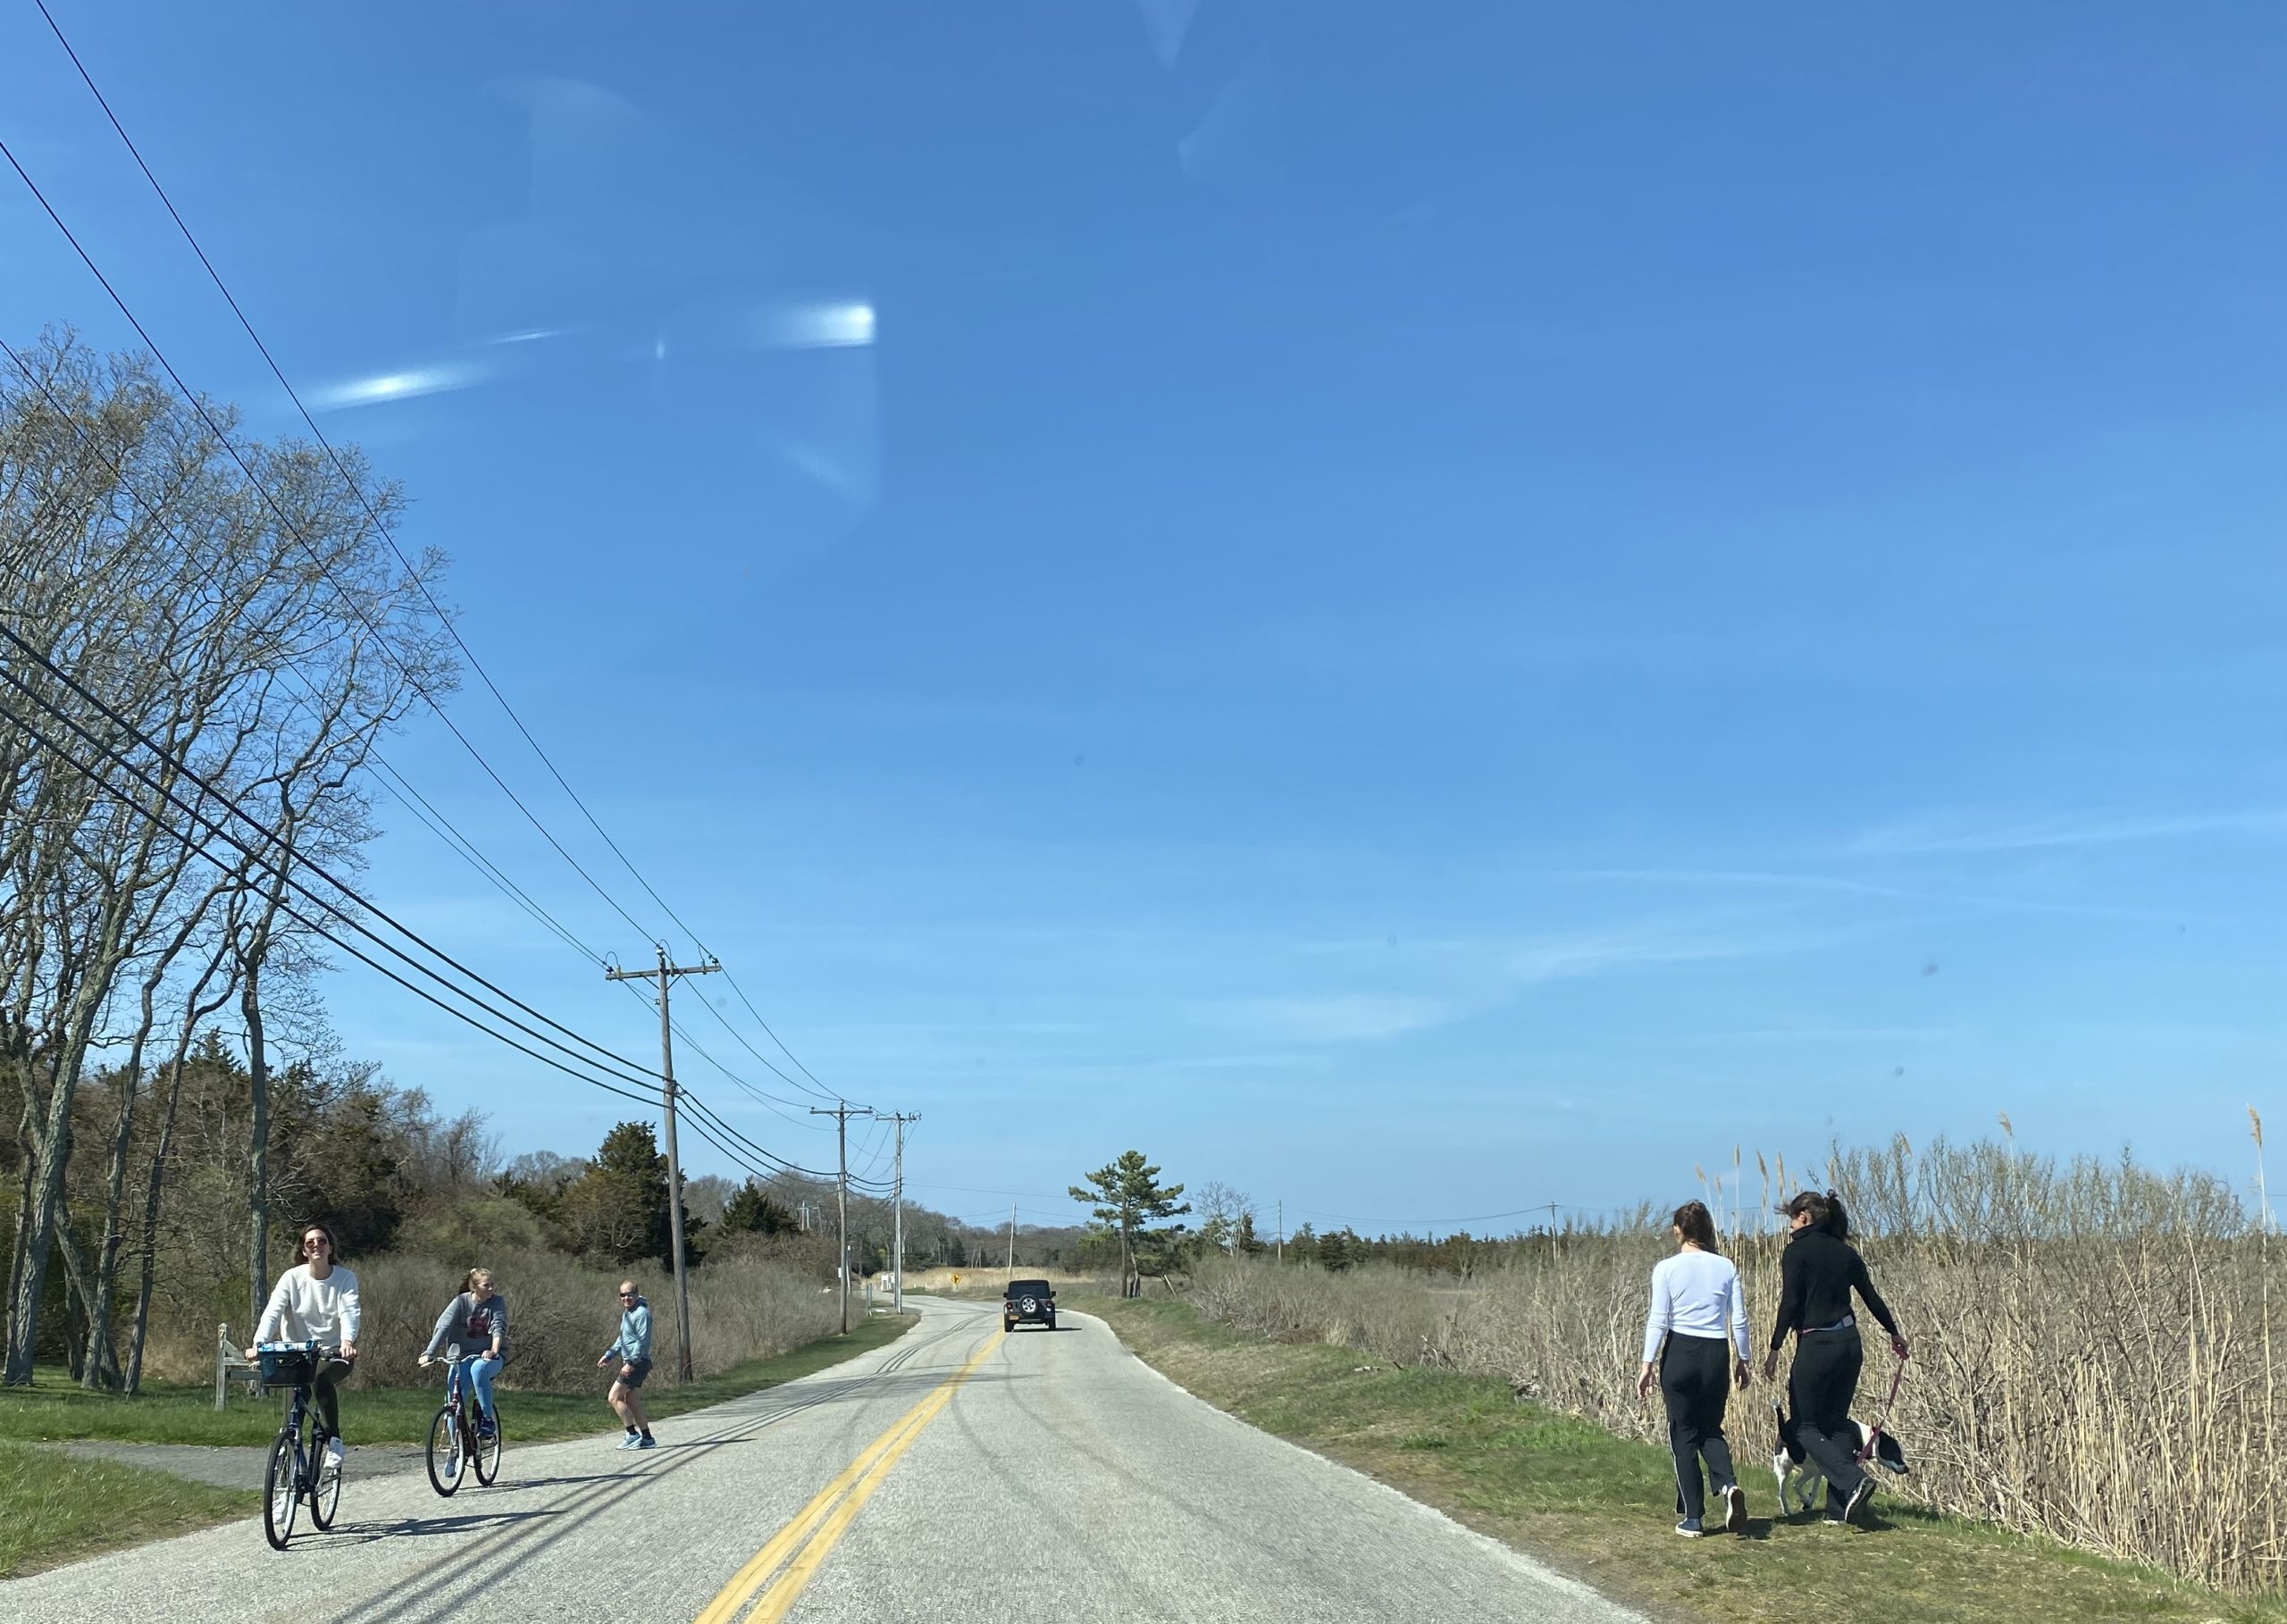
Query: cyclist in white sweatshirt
(1697, 1307)
(316, 1300)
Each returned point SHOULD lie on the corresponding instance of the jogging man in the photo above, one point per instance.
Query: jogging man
(633, 1351)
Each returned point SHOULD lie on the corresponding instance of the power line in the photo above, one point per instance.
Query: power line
(749, 1048)
(201, 846)
(423, 809)
(915, 1183)
(272, 870)
(761, 1096)
(1481, 1217)
(476, 665)
(777, 1163)
(290, 528)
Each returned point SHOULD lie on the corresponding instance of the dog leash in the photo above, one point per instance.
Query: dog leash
(1875, 1433)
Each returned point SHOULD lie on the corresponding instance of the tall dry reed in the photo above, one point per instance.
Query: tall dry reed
(2091, 1340)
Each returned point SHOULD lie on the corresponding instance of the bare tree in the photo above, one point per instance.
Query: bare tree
(1222, 1211)
(185, 647)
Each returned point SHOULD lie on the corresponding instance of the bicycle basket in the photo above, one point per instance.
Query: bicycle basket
(287, 1365)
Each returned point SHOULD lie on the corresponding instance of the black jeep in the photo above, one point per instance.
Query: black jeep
(1029, 1303)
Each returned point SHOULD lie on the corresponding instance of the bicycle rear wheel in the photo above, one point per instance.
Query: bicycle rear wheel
(282, 1492)
(489, 1451)
(445, 1454)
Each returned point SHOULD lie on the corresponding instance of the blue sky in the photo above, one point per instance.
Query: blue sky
(1423, 610)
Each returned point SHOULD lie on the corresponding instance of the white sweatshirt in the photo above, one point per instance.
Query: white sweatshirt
(306, 1310)
(1696, 1294)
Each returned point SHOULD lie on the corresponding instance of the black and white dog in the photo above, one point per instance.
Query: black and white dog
(1800, 1475)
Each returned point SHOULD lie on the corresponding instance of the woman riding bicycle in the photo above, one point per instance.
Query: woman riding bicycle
(476, 1322)
(316, 1300)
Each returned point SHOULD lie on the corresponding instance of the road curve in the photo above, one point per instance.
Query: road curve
(956, 1475)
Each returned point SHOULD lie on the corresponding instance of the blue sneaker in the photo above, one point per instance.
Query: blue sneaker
(647, 1443)
(484, 1428)
(631, 1442)
(1689, 1529)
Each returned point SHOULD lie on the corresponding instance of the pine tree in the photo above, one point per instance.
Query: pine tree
(1128, 1198)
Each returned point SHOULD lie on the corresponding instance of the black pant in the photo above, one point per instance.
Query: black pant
(1696, 1381)
(332, 1374)
(1820, 1389)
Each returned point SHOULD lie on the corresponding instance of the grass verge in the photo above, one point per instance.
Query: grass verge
(56, 1509)
(52, 1409)
(1599, 1507)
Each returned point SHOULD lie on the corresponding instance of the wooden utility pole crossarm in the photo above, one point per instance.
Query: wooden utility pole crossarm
(663, 974)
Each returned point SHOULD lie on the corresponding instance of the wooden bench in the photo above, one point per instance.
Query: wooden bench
(228, 1357)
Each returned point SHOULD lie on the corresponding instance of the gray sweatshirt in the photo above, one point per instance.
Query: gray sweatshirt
(470, 1324)
(634, 1333)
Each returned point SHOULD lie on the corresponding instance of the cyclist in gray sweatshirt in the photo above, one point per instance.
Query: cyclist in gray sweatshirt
(476, 1323)
(632, 1349)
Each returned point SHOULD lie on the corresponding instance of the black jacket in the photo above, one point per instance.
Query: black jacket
(1817, 1274)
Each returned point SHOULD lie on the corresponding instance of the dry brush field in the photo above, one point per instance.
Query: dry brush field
(2093, 1352)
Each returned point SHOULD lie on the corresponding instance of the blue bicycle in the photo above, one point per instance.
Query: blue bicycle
(298, 1471)
(457, 1443)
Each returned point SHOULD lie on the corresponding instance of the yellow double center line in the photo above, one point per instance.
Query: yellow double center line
(777, 1572)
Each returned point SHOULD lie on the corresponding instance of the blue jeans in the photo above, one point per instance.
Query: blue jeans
(480, 1372)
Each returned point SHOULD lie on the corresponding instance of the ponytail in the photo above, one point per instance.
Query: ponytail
(1825, 1212)
(1697, 1224)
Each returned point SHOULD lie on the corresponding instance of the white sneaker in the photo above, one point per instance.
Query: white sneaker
(334, 1458)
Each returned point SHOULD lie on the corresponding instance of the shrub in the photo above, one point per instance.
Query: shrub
(562, 1314)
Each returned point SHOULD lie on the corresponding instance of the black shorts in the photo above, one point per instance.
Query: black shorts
(635, 1370)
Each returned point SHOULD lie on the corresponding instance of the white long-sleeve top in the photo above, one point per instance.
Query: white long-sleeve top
(1696, 1294)
(306, 1310)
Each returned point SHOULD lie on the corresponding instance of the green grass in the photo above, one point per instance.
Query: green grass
(55, 1508)
(1600, 1507)
(53, 1409)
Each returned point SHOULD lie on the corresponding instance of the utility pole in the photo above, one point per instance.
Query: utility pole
(1282, 1229)
(1012, 1240)
(665, 974)
(842, 1112)
(897, 1184)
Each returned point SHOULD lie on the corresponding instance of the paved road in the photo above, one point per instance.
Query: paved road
(232, 1466)
(956, 1475)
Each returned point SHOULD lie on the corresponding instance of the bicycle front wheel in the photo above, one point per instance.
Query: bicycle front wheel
(489, 1449)
(445, 1456)
(282, 1492)
(325, 1493)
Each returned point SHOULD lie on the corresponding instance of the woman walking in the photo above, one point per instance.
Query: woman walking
(1696, 1309)
(476, 1323)
(1817, 1275)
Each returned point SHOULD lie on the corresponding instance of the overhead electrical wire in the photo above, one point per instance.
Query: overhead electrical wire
(683, 1096)
(273, 869)
(383, 530)
(201, 845)
(463, 845)
(1481, 1217)
(423, 809)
